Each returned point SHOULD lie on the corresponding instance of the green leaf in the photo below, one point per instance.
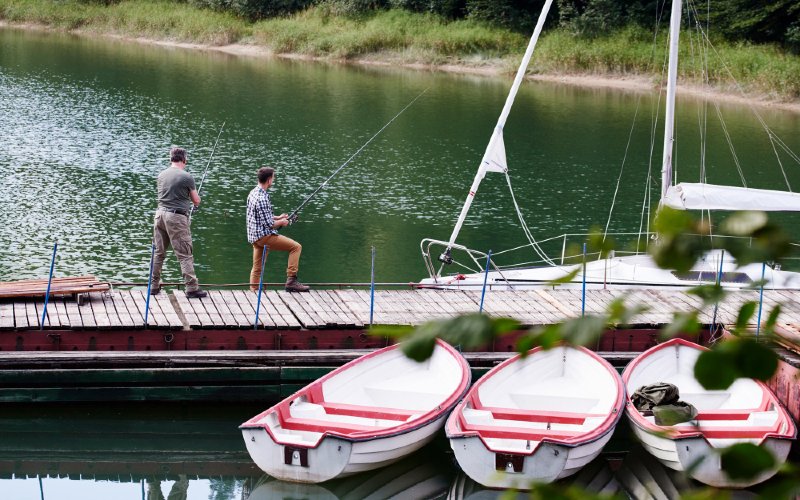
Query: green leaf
(788, 487)
(755, 360)
(391, 331)
(682, 322)
(525, 344)
(772, 319)
(567, 278)
(744, 224)
(715, 370)
(548, 336)
(744, 461)
(710, 294)
(745, 314)
(600, 243)
(419, 347)
(585, 330)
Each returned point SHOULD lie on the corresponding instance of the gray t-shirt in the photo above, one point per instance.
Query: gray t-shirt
(174, 185)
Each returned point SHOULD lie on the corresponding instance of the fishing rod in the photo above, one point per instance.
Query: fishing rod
(208, 163)
(293, 216)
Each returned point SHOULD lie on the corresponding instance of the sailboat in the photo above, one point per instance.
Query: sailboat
(624, 271)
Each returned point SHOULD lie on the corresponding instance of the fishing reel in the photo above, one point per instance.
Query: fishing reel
(446, 258)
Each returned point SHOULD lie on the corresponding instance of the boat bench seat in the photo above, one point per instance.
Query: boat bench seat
(526, 415)
(554, 417)
(362, 411)
(508, 432)
(732, 414)
(322, 426)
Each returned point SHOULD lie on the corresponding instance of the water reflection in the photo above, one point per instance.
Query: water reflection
(195, 452)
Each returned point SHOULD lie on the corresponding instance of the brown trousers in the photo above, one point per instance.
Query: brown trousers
(173, 229)
(274, 242)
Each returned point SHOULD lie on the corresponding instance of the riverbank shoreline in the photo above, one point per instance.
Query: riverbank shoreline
(633, 82)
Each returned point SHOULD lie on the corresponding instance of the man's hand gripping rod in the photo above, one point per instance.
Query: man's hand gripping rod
(293, 216)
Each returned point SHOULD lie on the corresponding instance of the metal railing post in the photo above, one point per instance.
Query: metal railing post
(372, 288)
(485, 278)
(583, 293)
(49, 282)
(260, 285)
(149, 284)
(761, 298)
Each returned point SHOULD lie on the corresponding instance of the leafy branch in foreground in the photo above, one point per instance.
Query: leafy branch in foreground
(681, 242)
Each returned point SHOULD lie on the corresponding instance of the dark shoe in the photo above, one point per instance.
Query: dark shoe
(155, 291)
(292, 285)
(196, 294)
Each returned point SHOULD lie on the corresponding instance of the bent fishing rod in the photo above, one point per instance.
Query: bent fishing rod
(293, 216)
(208, 163)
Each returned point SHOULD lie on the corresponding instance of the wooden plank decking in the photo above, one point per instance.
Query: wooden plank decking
(350, 309)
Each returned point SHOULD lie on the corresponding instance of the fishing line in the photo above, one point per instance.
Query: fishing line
(293, 216)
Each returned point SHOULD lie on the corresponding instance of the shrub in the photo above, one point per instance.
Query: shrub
(451, 9)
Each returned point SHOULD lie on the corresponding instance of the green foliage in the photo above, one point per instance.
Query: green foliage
(256, 9)
(744, 461)
(514, 14)
(468, 331)
(450, 9)
(680, 240)
(754, 20)
(719, 367)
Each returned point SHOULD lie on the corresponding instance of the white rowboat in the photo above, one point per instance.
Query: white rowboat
(536, 419)
(746, 412)
(366, 414)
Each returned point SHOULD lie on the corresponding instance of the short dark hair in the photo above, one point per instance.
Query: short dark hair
(265, 174)
(177, 154)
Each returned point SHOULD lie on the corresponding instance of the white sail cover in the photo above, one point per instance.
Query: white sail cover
(697, 196)
(495, 157)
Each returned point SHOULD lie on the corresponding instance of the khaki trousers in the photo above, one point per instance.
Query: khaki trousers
(173, 229)
(274, 242)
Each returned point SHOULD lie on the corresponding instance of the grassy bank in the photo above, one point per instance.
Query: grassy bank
(403, 37)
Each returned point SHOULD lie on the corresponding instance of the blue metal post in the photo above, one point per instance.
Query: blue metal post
(485, 278)
(583, 293)
(149, 284)
(719, 281)
(761, 297)
(372, 289)
(49, 281)
(260, 285)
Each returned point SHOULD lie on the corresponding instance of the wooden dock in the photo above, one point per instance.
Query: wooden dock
(350, 309)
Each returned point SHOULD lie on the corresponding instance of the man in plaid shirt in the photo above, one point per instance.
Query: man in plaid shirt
(262, 231)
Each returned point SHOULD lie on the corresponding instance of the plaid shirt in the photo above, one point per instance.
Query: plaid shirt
(260, 218)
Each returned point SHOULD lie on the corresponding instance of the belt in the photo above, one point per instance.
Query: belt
(175, 211)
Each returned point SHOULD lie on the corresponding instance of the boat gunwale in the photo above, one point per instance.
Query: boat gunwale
(454, 430)
(677, 434)
(425, 419)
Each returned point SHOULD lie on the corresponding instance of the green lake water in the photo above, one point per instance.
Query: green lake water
(85, 126)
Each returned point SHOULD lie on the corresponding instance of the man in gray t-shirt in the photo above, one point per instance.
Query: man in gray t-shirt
(177, 196)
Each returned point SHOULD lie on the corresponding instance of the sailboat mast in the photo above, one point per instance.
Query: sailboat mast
(495, 145)
(672, 82)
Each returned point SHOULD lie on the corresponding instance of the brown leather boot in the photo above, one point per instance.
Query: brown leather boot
(292, 285)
